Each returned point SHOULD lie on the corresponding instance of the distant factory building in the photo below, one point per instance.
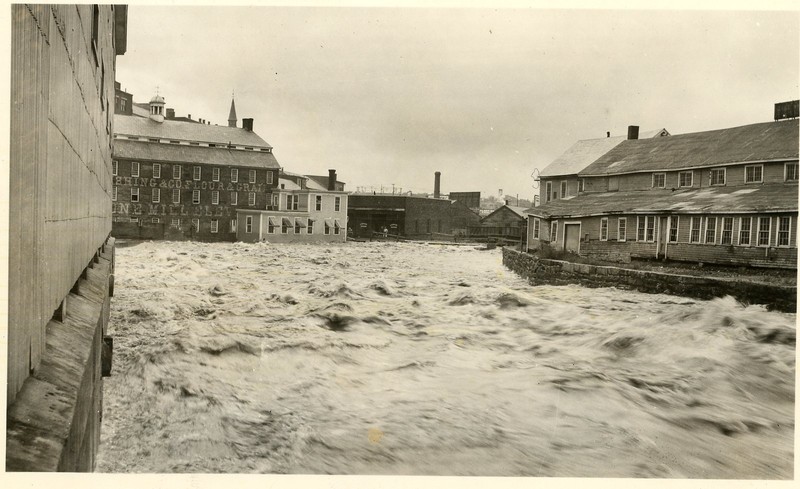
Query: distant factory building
(506, 222)
(408, 216)
(300, 212)
(183, 179)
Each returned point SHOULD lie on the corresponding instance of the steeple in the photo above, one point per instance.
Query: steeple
(232, 116)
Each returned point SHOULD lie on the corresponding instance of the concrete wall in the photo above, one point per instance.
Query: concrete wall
(177, 218)
(62, 95)
(555, 272)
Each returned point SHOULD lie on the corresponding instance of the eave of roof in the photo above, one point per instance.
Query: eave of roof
(708, 200)
(180, 153)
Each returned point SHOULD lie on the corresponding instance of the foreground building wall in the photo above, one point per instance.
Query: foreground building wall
(62, 95)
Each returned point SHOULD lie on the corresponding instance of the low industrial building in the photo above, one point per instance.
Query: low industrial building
(299, 212)
(180, 179)
(504, 223)
(727, 196)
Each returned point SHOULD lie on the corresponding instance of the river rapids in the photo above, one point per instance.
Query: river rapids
(419, 359)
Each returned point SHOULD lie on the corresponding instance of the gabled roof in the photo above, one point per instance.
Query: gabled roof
(186, 131)
(584, 152)
(708, 200)
(519, 211)
(755, 142)
(320, 182)
(181, 153)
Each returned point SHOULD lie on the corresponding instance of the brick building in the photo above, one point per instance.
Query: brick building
(728, 196)
(60, 255)
(300, 212)
(180, 179)
(407, 216)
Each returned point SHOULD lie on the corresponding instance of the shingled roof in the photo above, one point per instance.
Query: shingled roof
(767, 141)
(186, 131)
(584, 152)
(181, 153)
(709, 200)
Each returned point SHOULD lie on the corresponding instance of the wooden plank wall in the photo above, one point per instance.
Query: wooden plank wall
(60, 167)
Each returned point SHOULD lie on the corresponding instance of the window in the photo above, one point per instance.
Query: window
(233, 225)
(536, 227)
(563, 189)
(195, 196)
(297, 226)
(659, 180)
(248, 224)
(196, 225)
(215, 174)
(717, 176)
(214, 225)
(318, 202)
(604, 229)
(114, 167)
(764, 230)
(790, 172)
(651, 228)
(269, 178)
(726, 237)
(581, 184)
(176, 172)
(685, 178)
(745, 227)
(640, 228)
(337, 228)
(114, 194)
(215, 197)
(754, 174)
(622, 229)
(674, 222)
(176, 196)
(155, 220)
(251, 198)
(310, 226)
(252, 176)
(234, 198)
(285, 224)
(784, 226)
(234, 175)
(156, 195)
(271, 225)
(197, 173)
(337, 204)
(694, 235)
(134, 169)
(275, 200)
(328, 228)
(156, 170)
(711, 230)
(134, 194)
(291, 202)
(554, 231)
(176, 223)
(548, 186)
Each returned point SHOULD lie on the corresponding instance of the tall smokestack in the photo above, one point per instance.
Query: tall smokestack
(331, 179)
(437, 181)
(633, 132)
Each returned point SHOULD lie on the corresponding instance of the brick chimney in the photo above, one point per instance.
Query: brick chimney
(633, 132)
(247, 124)
(331, 179)
(437, 180)
(170, 113)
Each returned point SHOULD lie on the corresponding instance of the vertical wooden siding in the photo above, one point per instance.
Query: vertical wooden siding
(60, 166)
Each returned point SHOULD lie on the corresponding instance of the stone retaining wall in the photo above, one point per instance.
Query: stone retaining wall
(556, 272)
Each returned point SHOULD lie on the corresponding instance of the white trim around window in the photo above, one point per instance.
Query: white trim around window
(603, 229)
(215, 174)
(564, 188)
(754, 174)
(674, 225)
(536, 227)
(790, 172)
(114, 167)
(622, 229)
(234, 198)
(714, 176)
(759, 232)
(214, 225)
(659, 180)
(787, 232)
(215, 197)
(197, 173)
(156, 170)
(134, 169)
(156, 195)
(252, 176)
(234, 175)
(176, 172)
(683, 181)
(176, 196)
(554, 232)
(114, 194)
(195, 196)
(740, 234)
(134, 194)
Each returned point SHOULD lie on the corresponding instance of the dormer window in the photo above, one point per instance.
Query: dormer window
(754, 174)
(659, 180)
(717, 176)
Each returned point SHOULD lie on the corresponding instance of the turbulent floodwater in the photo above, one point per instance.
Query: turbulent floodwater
(385, 358)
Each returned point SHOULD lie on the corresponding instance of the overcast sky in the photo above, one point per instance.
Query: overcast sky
(388, 96)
